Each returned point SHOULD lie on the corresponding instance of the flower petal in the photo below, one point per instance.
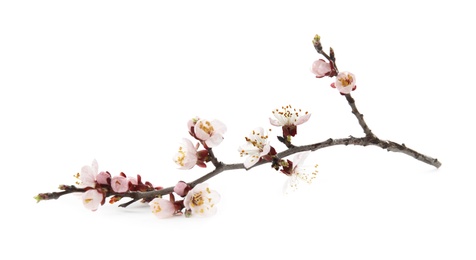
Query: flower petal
(162, 208)
(87, 176)
(186, 156)
(95, 166)
(214, 140)
(218, 126)
(303, 119)
(299, 158)
(266, 150)
(274, 122)
(92, 199)
(250, 161)
(291, 184)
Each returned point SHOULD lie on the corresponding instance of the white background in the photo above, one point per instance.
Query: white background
(117, 81)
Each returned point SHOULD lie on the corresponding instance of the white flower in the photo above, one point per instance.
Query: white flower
(257, 145)
(299, 173)
(162, 208)
(289, 118)
(92, 199)
(88, 174)
(186, 156)
(211, 132)
(201, 200)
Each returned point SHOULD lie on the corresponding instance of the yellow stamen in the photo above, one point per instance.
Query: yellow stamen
(345, 81)
(197, 199)
(206, 127)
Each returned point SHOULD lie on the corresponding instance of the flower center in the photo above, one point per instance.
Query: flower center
(206, 127)
(258, 141)
(197, 199)
(345, 81)
(157, 208)
(289, 114)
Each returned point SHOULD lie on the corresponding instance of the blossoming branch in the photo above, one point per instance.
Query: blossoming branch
(196, 198)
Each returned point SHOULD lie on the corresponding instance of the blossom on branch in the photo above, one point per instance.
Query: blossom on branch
(103, 178)
(289, 118)
(345, 82)
(201, 200)
(321, 68)
(182, 188)
(298, 172)
(196, 196)
(120, 184)
(256, 146)
(92, 199)
(88, 175)
(186, 156)
(162, 208)
(210, 133)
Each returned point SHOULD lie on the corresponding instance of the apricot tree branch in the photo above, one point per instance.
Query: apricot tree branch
(147, 192)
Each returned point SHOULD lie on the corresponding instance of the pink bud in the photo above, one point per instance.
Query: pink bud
(120, 184)
(181, 188)
(103, 178)
(321, 68)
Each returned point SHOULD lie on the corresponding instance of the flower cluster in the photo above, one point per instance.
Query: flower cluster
(345, 81)
(208, 133)
(200, 201)
(257, 147)
(98, 185)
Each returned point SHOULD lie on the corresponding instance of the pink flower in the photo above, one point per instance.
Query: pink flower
(209, 132)
(181, 188)
(345, 82)
(162, 208)
(186, 156)
(201, 200)
(321, 68)
(257, 145)
(103, 178)
(88, 174)
(299, 173)
(92, 199)
(120, 184)
(289, 119)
